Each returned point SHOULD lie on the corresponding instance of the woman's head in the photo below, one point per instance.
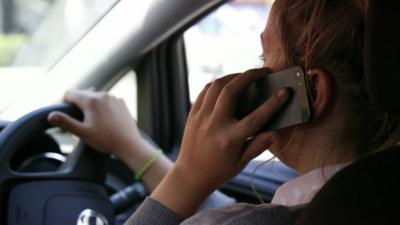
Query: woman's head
(326, 38)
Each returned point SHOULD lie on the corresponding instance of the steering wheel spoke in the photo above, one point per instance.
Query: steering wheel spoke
(85, 170)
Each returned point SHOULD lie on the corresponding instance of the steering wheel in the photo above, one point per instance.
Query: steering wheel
(73, 194)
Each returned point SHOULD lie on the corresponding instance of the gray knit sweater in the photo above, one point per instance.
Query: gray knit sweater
(152, 212)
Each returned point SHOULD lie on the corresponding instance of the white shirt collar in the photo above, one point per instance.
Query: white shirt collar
(302, 189)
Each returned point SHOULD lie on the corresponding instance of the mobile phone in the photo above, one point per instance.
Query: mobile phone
(297, 109)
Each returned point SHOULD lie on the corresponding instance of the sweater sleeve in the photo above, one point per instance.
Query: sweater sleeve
(151, 212)
(217, 200)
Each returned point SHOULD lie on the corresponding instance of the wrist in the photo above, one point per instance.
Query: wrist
(135, 155)
(146, 167)
(180, 193)
(191, 180)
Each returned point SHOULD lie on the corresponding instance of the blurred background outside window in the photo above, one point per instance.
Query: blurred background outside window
(225, 42)
(34, 35)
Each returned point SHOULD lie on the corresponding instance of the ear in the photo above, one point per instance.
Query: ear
(321, 90)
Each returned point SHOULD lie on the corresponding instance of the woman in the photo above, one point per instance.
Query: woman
(325, 38)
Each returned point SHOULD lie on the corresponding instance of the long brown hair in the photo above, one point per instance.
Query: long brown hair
(329, 34)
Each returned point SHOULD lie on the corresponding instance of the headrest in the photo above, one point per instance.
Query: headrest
(382, 54)
(366, 192)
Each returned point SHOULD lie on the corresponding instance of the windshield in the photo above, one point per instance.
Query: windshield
(34, 36)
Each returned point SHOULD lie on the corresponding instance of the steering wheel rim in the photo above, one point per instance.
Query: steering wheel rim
(83, 164)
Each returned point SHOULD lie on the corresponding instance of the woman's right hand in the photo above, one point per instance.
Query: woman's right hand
(107, 126)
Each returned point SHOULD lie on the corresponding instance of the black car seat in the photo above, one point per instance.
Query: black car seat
(368, 191)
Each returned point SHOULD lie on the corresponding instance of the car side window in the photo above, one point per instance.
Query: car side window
(126, 89)
(226, 41)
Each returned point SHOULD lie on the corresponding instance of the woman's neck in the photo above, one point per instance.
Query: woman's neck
(307, 154)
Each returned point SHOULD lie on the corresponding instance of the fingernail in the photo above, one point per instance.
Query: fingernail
(54, 118)
(282, 93)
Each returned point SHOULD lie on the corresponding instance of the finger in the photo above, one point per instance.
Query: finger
(66, 122)
(214, 91)
(253, 122)
(79, 97)
(199, 101)
(257, 145)
(227, 100)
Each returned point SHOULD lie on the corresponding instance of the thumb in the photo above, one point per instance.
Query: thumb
(66, 122)
(257, 146)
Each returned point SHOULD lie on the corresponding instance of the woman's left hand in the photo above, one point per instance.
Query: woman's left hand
(216, 146)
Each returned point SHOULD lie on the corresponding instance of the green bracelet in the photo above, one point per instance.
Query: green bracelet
(147, 165)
